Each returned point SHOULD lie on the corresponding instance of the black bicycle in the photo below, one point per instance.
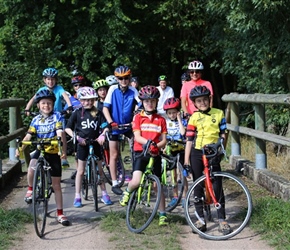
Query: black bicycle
(42, 184)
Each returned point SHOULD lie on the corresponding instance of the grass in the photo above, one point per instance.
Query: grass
(11, 222)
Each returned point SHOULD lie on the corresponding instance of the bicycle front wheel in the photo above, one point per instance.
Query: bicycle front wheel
(85, 187)
(143, 204)
(236, 207)
(94, 182)
(39, 200)
(173, 188)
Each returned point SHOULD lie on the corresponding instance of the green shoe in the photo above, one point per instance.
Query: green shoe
(125, 198)
(163, 221)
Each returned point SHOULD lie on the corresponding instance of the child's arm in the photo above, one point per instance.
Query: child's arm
(60, 134)
(188, 146)
(29, 104)
(181, 127)
(162, 142)
(67, 100)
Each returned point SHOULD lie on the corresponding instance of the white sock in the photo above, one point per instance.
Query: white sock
(115, 183)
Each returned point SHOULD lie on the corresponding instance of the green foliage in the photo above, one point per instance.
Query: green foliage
(271, 218)
(11, 222)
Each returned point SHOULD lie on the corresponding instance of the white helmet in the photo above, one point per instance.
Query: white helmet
(195, 65)
(111, 80)
(86, 93)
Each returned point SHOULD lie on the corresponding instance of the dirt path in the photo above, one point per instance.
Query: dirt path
(84, 234)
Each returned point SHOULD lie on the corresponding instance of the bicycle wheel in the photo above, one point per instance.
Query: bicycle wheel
(85, 186)
(173, 188)
(142, 209)
(94, 182)
(236, 206)
(39, 200)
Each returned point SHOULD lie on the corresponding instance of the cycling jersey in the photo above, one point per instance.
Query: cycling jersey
(187, 87)
(206, 127)
(149, 128)
(58, 91)
(45, 128)
(121, 105)
(173, 133)
(85, 125)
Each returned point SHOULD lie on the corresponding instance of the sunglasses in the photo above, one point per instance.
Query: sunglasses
(77, 85)
(195, 71)
(123, 78)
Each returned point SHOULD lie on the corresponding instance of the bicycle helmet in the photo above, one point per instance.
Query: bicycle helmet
(149, 92)
(199, 91)
(77, 79)
(122, 71)
(50, 72)
(195, 65)
(162, 78)
(171, 103)
(111, 80)
(100, 83)
(134, 79)
(185, 77)
(86, 93)
(44, 94)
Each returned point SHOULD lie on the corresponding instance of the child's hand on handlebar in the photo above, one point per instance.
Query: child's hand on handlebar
(81, 141)
(153, 149)
(101, 139)
(114, 125)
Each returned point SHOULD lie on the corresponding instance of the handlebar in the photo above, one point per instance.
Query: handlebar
(214, 149)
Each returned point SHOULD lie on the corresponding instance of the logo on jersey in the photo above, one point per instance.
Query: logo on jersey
(89, 124)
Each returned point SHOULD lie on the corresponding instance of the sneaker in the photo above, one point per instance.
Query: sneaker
(106, 200)
(28, 197)
(64, 164)
(224, 228)
(163, 221)
(78, 202)
(73, 175)
(172, 202)
(62, 220)
(117, 190)
(200, 226)
(125, 198)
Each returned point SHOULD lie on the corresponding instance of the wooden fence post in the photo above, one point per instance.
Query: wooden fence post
(261, 157)
(12, 128)
(235, 146)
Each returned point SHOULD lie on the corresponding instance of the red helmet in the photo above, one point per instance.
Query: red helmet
(149, 92)
(78, 79)
(171, 103)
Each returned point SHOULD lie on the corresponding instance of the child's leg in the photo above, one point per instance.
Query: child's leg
(105, 197)
(79, 177)
(57, 192)
(30, 171)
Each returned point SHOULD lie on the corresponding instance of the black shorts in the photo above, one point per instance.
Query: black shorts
(140, 163)
(53, 160)
(128, 134)
(83, 151)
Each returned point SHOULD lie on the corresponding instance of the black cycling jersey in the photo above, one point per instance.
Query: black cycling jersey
(85, 125)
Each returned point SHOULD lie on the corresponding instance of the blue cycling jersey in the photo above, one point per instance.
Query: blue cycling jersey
(121, 105)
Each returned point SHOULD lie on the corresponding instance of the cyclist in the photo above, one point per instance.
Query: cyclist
(47, 125)
(195, 69)
(134, 82)
(165, 93)
(50, 81)
(176, 131)
(119, 105)
(87, 122)
(204, 127)
(101, 86)
(77, 82)
(185, 78)
(147, 126)
(112, 80)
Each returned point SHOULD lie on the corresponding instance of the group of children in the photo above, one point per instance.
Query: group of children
(102, 105)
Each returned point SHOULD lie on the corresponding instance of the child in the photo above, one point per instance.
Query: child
(147, 125)
(47, 125)
(87, 122)
(204, 127)
(176, 131)
(101, 86)
(50, 81)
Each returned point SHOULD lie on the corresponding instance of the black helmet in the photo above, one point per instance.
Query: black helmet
(199, 91)
(45, 93)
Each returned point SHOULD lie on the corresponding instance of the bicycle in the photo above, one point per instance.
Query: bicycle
(171, 166)
(106, 158)
(42, 184)
(225, 195)
(91, 176)
(143, 203)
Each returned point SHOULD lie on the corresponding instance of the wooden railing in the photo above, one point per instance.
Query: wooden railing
(258, 101)
(15, 126)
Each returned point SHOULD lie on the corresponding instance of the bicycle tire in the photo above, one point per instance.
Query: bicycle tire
(237, 205)
(140, 214)
(94, 182)
(39, 200)
(168, 188)
(85, 187)
(120, 171)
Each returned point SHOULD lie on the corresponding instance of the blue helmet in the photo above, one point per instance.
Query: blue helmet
(50, 72)
(44, 94)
